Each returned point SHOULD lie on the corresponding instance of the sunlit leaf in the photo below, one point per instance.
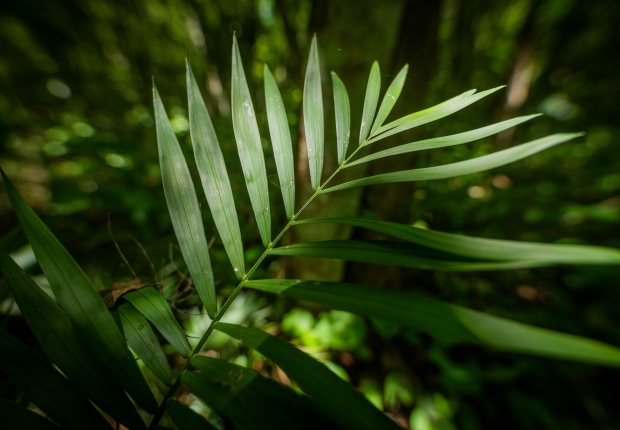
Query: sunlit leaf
(249, 146)
(448, 323)
(185, 418)
(16, 417)
(370, 101)
(183, 207)
(313, 115)
(342, 110)
(390, 97)
(80, 302)
(213, 175)
(281, 141)
(334, 397)
(467, 167)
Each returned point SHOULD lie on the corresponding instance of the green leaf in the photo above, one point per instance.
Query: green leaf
(213, 175)
(434, 113)
(442, 142)
(81, 302)
(370, 101)
(63, 345)
(313, 115)
(281, 141)
(183, 207)
(448, 323)
(342, 109)
(143, 341)
(396, 254)
(390, 97)
(466, 167)
(155, 307)
(185, 418)
(336, 398)
(46, 387)
(249, 146)
(485, 249)
(15, 417)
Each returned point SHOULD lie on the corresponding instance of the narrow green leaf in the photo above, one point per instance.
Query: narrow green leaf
(336, 398)
(46, 387)
(370, 101)
(16, 417)
(390, 97)
(442, 142)
(185, 418)
(313, 115)
(466, 167)
(434, 113)
(154, 306)
(183, 207)
(63, 345)
(81, 302)
(144, 342)
(249, 146)
(281, 141)
(342, 109)
(448, 323)
(213, 175)
(485, 249)
(396, 254)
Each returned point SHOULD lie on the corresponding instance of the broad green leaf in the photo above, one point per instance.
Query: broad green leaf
(396, 254)
(249, 146)
(185, 418)
(183, 207)
(16, 417)
(390, 97)
(213, 175)
(313, 115)
(46, 387)
(448, 323)
(154, 306)
(248, 399)
(63, 345)
(281, 141)
(442, 142)
(434, 113)
(370, 101)
(143, 341)
(342, 109)
(485, 249)
(466, 167)
(81, 302)
(334, 397)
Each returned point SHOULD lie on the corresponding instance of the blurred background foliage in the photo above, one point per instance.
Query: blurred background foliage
(77, 138)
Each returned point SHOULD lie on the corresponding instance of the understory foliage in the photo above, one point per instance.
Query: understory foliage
(91, 342)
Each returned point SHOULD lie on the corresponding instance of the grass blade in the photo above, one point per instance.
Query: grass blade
(46, 387)
(342, 109)
(81, 302)
(144, 342)
(17, 417)
(63, 345)
(466, 167)
(185, 418)
(334, 397)
(442, 142)
(281, 141)
(313, 115)
(249, 146)
(229, 389)
(448, 323)
(183, 207)
(370, 101)
(389, 100)
(154, 306)
(213, 175)
(397, 254)
(485, 249)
